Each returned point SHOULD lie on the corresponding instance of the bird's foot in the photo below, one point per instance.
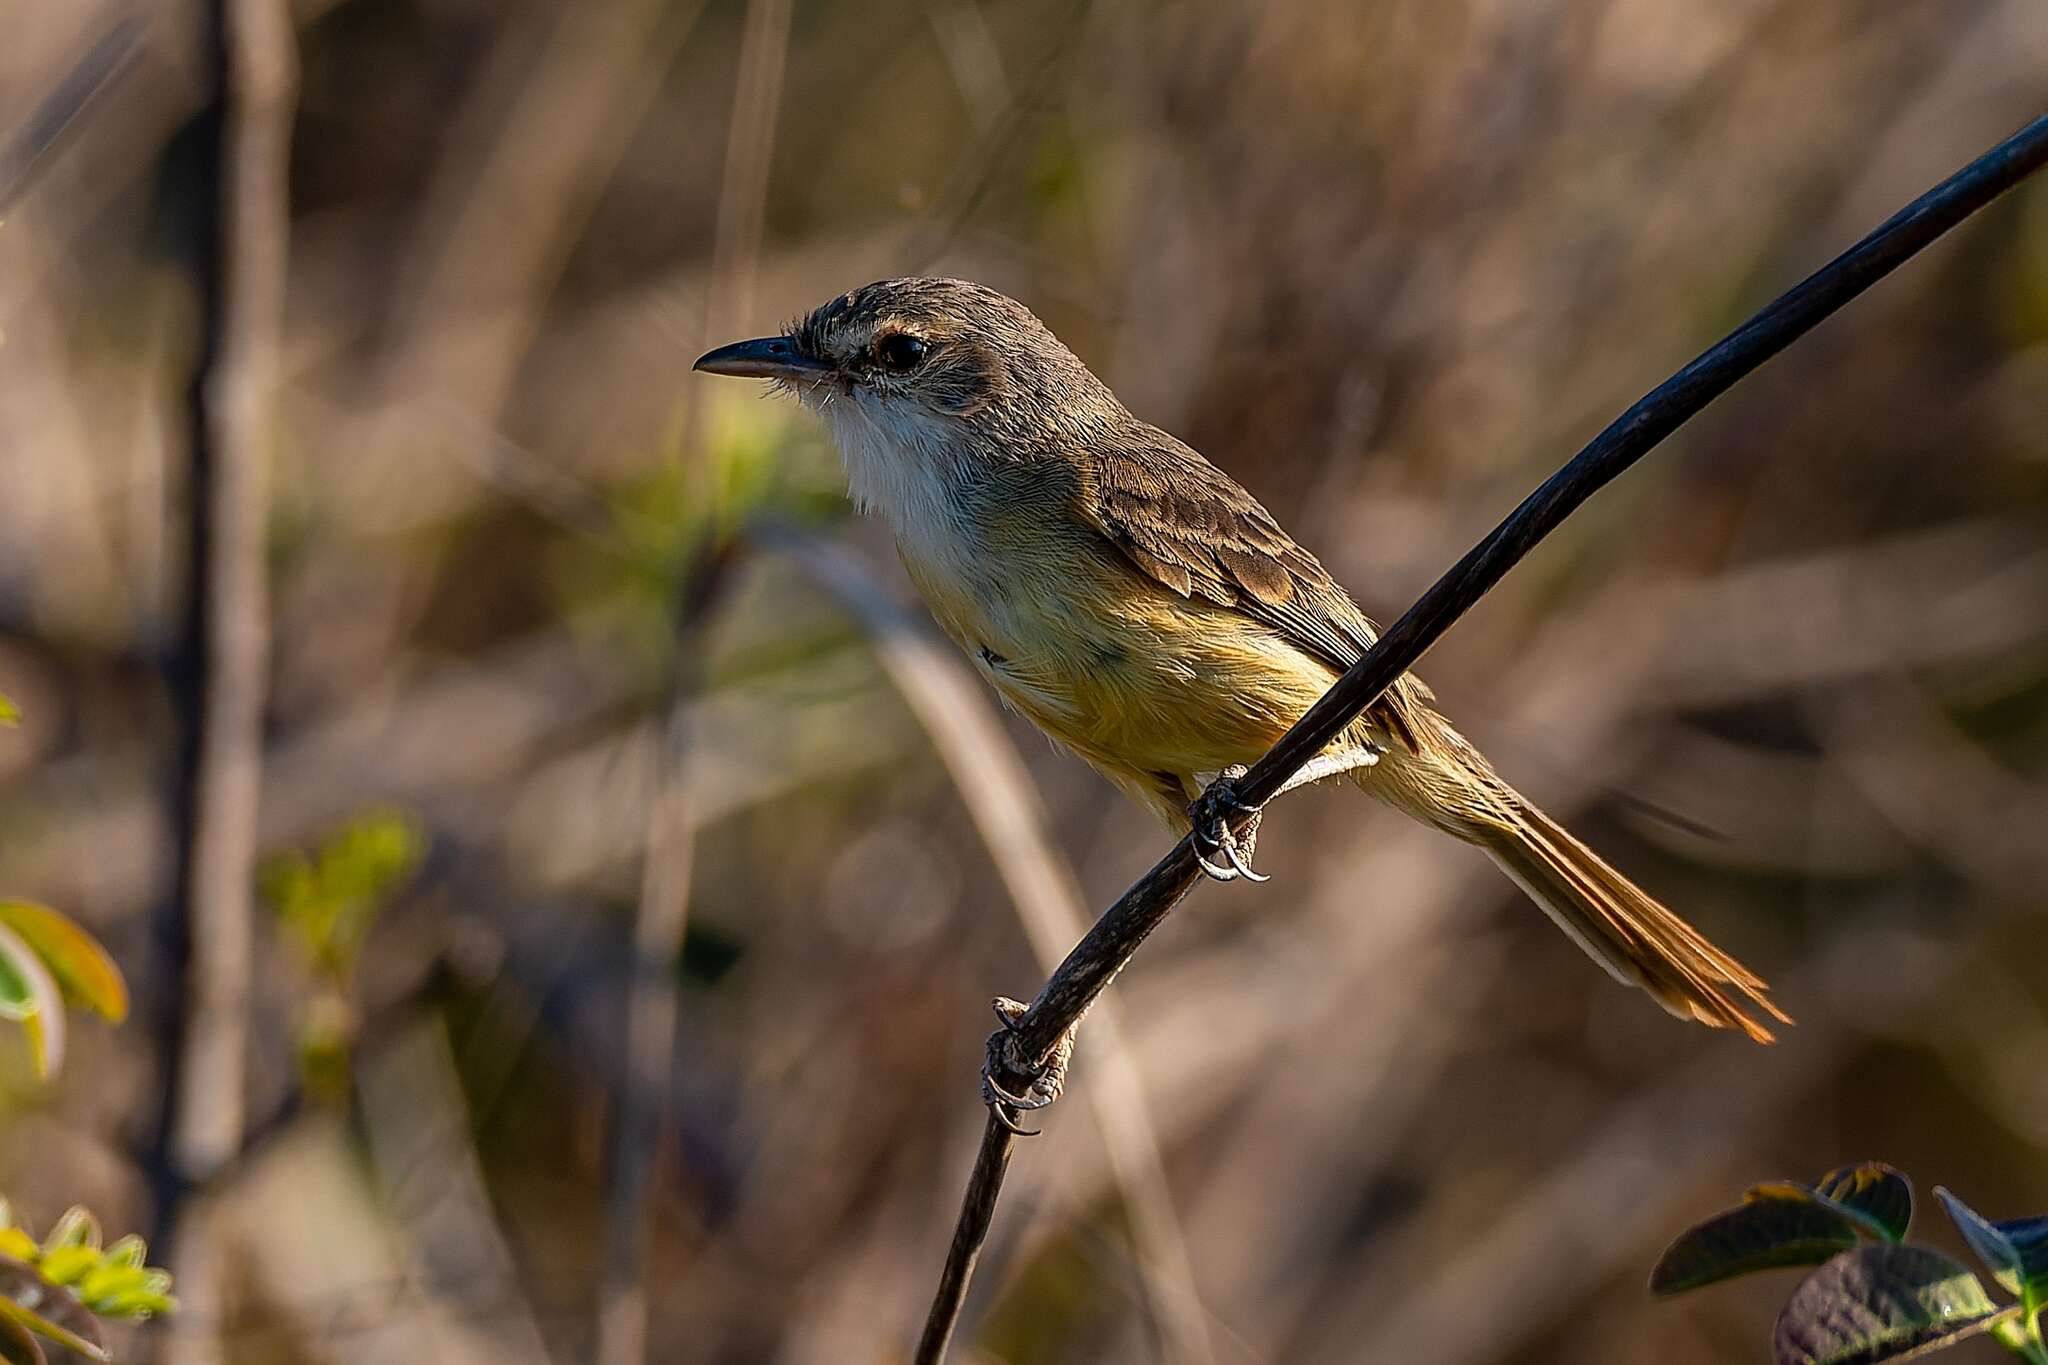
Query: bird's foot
(1210, 816)
(1048, 1079)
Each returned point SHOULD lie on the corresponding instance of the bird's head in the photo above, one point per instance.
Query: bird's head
(926, 361)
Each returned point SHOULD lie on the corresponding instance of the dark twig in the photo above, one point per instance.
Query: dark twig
(1110, 944)
(977, 1208)
(221, 673)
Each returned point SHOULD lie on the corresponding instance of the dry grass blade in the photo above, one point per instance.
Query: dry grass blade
(532, 148)
(661, 917)
(659, 922)
(955, 712)
(24, 154)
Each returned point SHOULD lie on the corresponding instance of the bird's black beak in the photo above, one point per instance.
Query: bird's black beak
(763, 358)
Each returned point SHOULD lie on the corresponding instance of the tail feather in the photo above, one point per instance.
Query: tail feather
(1639, 941)
(1443, 781)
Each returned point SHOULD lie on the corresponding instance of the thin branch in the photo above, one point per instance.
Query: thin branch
(1097, 959)
(970, 1231)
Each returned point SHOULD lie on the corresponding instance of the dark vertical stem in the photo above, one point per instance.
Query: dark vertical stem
(187, 663)
(220, 661)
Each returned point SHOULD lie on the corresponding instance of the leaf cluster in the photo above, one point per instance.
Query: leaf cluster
(56, 1289)
(329, 899)
(1875, 1296)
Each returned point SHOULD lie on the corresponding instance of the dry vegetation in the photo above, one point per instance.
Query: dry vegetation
(1388, 264)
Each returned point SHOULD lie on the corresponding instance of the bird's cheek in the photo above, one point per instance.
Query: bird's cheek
(961, 404)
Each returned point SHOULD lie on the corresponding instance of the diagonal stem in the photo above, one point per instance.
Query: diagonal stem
(1116, 936)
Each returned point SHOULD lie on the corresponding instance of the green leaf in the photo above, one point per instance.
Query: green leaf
(1778, 1225)
(74, 957)
(29, 996)
(329, 901)
(32, 1302)
(10, 714)
(1881, 1301)
(1877, 1196)
(2015, 1249)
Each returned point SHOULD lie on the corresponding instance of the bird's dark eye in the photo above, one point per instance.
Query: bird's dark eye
(900, 352)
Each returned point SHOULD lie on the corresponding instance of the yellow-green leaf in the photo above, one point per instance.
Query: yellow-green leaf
(106, 1283)
(16, 1243)
(74, 957)
(137, 1303)
(77, 1228)
(10, 714)
(141, 1293)
(130, 1250)
(68, 1265)
(29, 996)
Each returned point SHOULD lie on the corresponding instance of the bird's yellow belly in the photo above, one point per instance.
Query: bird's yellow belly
(1128, 674)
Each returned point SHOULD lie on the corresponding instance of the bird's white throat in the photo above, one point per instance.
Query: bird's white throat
(908, 465)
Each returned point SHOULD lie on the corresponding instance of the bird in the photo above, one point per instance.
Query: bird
(1137, 605)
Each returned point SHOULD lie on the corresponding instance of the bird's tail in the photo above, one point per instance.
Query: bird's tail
(1638, 940)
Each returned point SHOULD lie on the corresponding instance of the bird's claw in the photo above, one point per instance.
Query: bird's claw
(1210, 818)
(1048, 1080)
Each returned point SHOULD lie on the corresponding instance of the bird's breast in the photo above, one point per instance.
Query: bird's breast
(1123, 670)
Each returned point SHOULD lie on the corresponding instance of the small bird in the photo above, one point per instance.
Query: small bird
(1137, 605)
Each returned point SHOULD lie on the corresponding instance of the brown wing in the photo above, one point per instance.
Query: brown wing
(1191, 527)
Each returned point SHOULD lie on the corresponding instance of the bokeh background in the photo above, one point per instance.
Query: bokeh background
(542, 694)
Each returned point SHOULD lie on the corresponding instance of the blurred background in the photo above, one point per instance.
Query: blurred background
(559, 755)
